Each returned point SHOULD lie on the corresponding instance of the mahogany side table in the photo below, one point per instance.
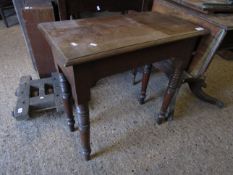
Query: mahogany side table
(87, 50)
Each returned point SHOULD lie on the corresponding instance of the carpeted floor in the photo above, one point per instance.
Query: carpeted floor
(124, 136)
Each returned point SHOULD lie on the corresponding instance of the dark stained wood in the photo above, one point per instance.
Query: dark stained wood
(62, 9)
(35, 12)
(195, 86)
(67, 100)
(112, 45)
(172, 89)
(84, 128)
(166, 66)
(69, 8)
(18, 4)
(145, 80)
(78, 47)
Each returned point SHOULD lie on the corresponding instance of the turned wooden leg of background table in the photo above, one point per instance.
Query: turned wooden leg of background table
(171, 92)
(134, 74)
(145, 80)
(67, 99)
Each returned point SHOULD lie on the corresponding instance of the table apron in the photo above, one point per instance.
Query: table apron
(181, 50)
(82, 77)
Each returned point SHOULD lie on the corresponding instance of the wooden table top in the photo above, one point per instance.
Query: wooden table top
(84, 40)
(221, 19)
(199, 5)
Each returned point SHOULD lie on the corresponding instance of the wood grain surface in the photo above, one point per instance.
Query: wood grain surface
(200, 5)
(90, 39)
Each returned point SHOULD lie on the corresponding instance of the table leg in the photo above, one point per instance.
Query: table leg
(226, 54)
(196, 85)
(145, 80)
(2, 13)
(172, 89)
(84, 129)
(171, 109)
(67, 100)
(134, 74)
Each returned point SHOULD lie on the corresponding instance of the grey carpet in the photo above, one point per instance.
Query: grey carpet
(124, 136)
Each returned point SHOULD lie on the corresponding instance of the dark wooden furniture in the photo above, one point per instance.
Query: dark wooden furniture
(30, 13)
(221, 34)
(207, 6)
(35, 12)
(72, 8)
(212, 7)
(89, 49)
(19, 4)
(6, 5)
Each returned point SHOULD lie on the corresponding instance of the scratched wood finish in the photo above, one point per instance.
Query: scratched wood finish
(122, 43)
(86, 40)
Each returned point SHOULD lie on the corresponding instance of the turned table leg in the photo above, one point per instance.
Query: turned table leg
(67, 100)
(145, 80)
(171, 109)
(170, 95)
(84, 129)
(134, 74)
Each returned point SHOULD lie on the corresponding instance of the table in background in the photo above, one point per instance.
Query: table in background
(220, 26)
